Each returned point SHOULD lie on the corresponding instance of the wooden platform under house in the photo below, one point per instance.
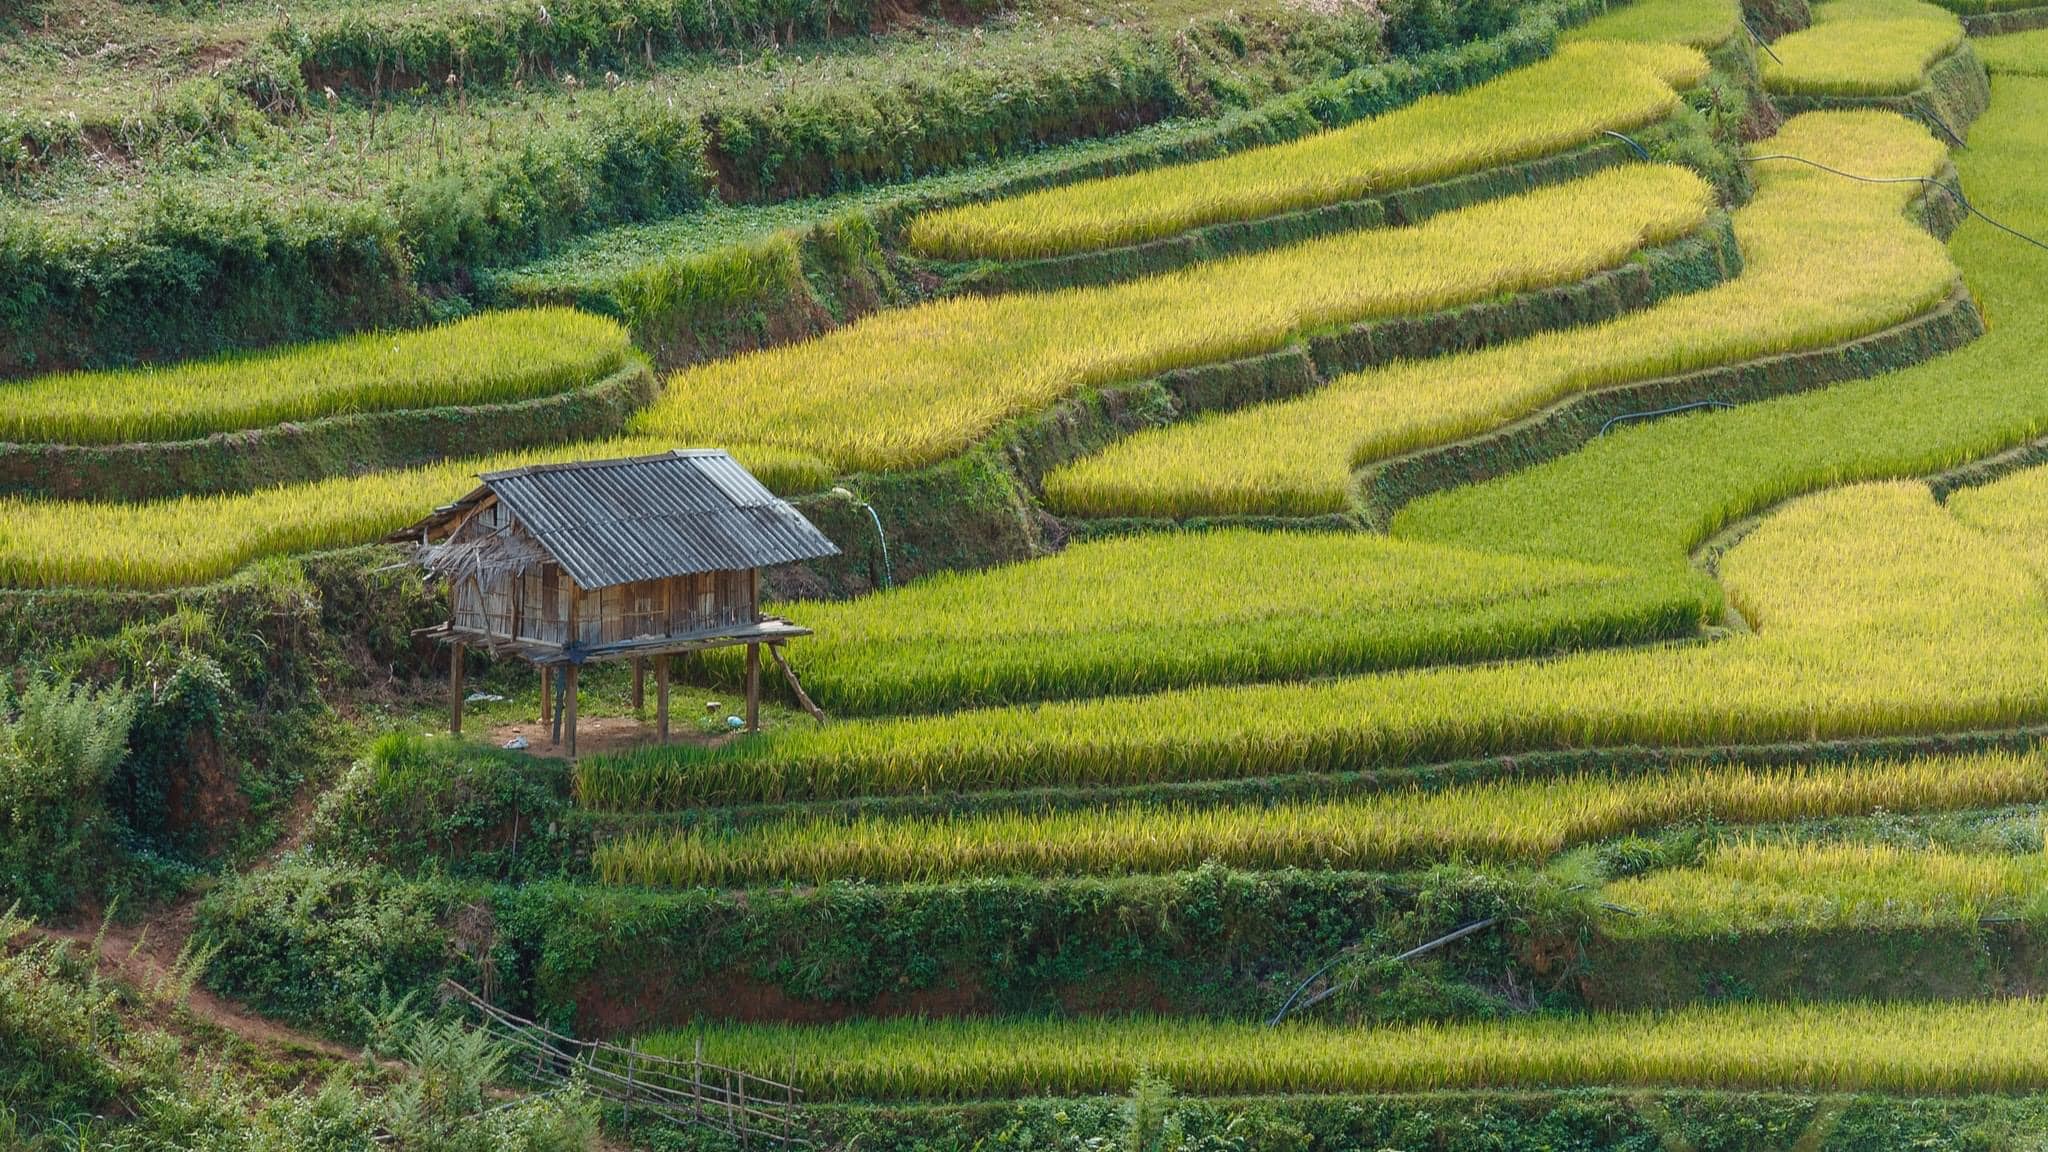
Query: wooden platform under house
(635, 559)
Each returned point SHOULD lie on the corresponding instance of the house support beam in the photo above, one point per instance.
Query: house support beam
(661, 672)
(753, 687)
(455, 654)
(639, 685)
(547, 698)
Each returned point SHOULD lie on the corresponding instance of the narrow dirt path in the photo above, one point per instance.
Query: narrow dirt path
(145, 957)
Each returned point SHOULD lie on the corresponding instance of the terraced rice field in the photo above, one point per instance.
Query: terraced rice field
(1527, 822)
(194, 539)
(1814, 887)
(1205, 708)
(2020, 54)
(913, 387)
(489, 359)
(1823, 262)
(1958, 1048)
(1874, 613)
(1701, 24)
(1564, 102)
(1159, 611)
(1863, 48)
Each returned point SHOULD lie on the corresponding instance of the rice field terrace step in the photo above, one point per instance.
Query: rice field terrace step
(1956, 92)
(301, 452)
(1309, 786)
(1394, 209)
(1386, 488)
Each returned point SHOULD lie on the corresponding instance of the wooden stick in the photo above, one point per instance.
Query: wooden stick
(789, 674)
(661, 673)
(455, 688)
(547, 696)
(753, 687)
(639, 684)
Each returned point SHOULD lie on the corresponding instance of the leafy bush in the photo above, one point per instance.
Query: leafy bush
(323, 943)
(77, 1071)
(60, 745)
(62, 1043)
(607, 959)
(179, 721)
(417, 803)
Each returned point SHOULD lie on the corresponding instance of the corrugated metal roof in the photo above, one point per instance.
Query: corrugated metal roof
(649, 517)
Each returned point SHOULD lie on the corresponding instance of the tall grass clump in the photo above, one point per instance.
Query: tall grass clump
(193, 539)
(909, 387)
(1824, 261)
(1907, 1048)
(1766, 887)
(1875, 614)
(1518, 821)
(1862, 48)
(495, 357)
(1156, 611)
(60, 747)
(1546, 108)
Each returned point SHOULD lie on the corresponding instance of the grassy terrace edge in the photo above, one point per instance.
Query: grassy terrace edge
(2003, 23)
(1493, 1121)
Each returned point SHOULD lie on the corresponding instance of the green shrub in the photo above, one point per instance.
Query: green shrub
(63, 1048)
(181, 719)
(323, 944)
(60, 745)
(418, 802)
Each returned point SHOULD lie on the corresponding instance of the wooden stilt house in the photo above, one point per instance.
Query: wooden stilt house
(632, 559)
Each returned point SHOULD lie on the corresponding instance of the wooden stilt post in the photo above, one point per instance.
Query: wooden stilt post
(547, 696)
(753, 687)
(639, 684)
(555, 680)
(569, 712)
(455, 652)
(661, 673)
